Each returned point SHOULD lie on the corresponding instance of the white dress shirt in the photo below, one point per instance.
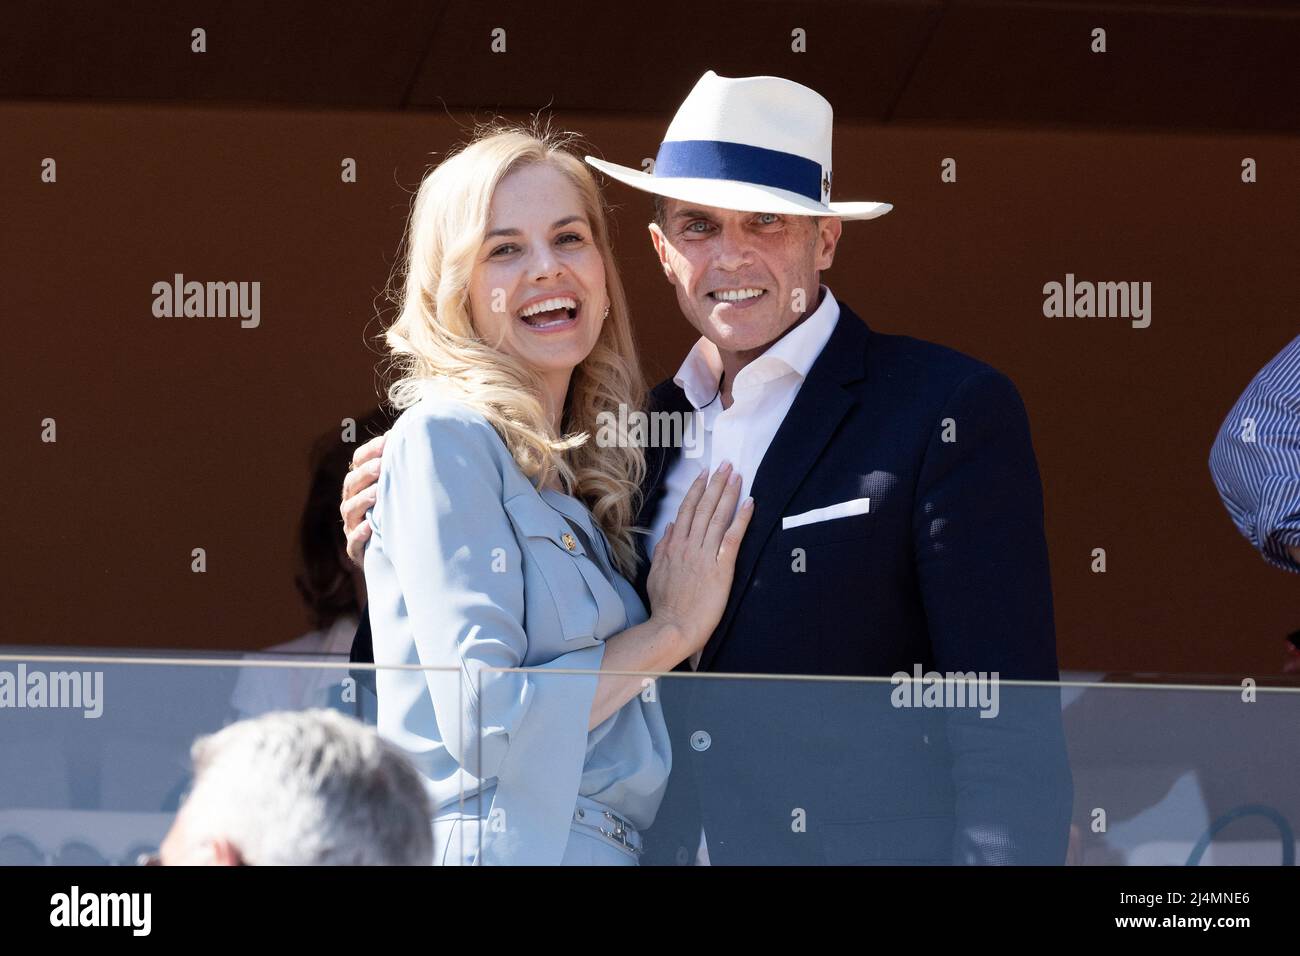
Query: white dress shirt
(761, 395)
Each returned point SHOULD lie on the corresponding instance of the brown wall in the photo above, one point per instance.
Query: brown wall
(183, 433)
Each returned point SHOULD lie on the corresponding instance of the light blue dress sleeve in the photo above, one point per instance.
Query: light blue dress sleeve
(438, 523)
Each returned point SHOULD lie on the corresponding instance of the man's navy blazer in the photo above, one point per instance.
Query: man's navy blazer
(947, 570)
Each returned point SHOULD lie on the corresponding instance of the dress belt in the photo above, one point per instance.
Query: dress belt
(588, 813)
(609, 825)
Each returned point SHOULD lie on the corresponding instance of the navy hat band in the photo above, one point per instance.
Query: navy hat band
(738, 162)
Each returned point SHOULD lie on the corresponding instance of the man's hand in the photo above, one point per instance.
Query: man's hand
(359, 493)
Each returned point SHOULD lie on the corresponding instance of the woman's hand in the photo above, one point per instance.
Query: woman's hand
(690, 579)
(694, 563)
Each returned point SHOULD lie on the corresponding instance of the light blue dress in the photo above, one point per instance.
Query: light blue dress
(470, 568)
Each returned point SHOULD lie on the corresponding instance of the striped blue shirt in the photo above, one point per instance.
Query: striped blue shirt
(1255, 461)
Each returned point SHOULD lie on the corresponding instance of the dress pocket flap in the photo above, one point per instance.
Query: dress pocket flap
(536, 519)
(577, 589)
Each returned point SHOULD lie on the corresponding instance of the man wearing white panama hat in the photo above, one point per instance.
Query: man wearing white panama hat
(755, 143)
(897, 528)
(876, 546)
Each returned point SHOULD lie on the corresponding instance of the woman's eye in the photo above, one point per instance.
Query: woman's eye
(570, 235)
(508, 247)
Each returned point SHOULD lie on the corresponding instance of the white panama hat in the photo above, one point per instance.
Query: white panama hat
(752, 143)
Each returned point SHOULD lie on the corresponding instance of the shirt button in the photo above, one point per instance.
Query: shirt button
(683, 855)
(701, 740)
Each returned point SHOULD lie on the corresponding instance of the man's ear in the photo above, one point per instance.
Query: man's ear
(828, 239)
(660, 242)
(224, 853)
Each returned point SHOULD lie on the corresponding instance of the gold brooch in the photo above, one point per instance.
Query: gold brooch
(569, 543)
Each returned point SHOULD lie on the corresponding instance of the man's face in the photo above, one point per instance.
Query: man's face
(743, 278)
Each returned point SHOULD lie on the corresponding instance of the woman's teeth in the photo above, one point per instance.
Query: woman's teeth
(554, 311)
(548, 319)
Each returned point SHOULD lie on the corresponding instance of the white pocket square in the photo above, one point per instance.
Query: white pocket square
(858, 506)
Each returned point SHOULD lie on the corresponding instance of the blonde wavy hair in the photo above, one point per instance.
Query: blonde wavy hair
(433, 340)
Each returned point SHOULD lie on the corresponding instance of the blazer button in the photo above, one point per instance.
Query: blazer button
(569, 543)
(683, 856)
(701, 740)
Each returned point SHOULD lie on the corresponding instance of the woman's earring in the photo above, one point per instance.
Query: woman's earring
(606, 315)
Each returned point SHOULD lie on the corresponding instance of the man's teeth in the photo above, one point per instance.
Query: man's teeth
(736, 295)
(562, 302)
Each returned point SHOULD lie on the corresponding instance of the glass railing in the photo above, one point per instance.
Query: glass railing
(725, 769)
(95, 749)
(928, 770)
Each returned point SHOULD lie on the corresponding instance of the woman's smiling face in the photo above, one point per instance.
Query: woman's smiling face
(537, 292)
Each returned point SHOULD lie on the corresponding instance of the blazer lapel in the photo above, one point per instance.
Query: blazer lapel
(817, 410)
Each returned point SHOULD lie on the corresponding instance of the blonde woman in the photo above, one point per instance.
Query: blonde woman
(501, 532)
